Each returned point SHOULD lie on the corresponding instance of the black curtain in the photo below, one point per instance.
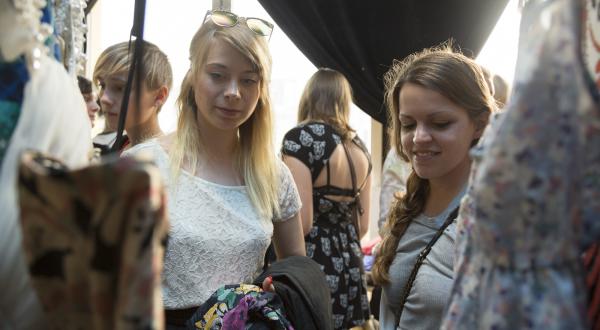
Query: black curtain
(361, 38)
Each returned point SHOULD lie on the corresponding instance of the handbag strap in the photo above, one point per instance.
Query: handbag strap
(421, 259)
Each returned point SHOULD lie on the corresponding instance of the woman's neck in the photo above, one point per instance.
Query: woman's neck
(217, 158)
(443, 191)
(218, 145)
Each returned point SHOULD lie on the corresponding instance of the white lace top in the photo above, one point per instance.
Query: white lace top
(216, 237)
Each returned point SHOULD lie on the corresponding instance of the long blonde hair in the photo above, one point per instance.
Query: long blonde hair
(327, 97)
(459, 79)
(254, 153)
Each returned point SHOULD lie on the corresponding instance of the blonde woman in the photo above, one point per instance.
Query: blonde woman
(228, 193)
(438, 104)
(331, 167)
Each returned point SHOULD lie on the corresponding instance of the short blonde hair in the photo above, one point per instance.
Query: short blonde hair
(255, 156)
(327, 97)
(116, 59)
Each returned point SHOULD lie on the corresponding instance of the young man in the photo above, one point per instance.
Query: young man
(110, 74)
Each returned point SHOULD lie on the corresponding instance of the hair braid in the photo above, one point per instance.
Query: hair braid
(402, 212)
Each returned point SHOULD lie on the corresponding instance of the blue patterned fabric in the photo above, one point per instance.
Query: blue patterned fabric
(48, 17)
(13, 77)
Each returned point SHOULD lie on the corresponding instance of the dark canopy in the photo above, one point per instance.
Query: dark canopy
(361, 38)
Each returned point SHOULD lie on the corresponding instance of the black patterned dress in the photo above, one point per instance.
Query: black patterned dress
(333, 240)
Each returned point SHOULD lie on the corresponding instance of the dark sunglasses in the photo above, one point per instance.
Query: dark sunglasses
(227, 19)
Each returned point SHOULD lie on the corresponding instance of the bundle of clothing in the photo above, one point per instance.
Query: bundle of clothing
(301, 301)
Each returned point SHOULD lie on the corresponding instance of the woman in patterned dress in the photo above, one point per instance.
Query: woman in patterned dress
(331, 168)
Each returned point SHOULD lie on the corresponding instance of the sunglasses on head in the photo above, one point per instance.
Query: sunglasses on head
(228, 19)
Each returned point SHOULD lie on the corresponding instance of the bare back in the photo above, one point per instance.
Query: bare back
(322, 165)
(340, 173)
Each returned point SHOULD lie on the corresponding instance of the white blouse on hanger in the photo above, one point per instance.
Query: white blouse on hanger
(53, 121)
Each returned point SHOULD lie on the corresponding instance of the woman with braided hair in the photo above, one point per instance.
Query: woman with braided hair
(438, 104)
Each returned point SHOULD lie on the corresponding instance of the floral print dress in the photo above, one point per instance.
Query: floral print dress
(333, 241)
(533, 197)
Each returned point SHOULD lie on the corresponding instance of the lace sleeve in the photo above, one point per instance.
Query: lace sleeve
(152, 151)
(289, 199)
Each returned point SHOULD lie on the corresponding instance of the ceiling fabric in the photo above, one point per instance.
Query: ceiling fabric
(362, 38)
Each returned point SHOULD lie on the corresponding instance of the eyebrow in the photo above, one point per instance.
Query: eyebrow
(116, 79)
(428, 116)
(222, 66)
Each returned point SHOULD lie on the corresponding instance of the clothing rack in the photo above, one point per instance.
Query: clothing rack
(70, 30)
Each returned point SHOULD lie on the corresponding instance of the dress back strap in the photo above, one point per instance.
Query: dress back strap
(352, 170)
(366, 152)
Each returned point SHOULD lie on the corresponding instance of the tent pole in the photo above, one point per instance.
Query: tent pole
(221, 5)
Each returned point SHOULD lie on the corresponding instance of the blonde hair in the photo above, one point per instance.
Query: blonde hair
(255, 156)
(116, 59)
(327, 97)
(459, 79)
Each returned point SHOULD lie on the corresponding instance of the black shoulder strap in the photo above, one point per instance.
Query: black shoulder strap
(421, 259)
(328, 173)
(135, 67)
(352, 170)
(356, 192)
(366, 152)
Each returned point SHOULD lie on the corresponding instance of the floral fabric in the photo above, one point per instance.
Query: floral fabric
(528, 208)
(240, 307)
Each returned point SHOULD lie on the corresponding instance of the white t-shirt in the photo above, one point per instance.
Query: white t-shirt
(216, 237)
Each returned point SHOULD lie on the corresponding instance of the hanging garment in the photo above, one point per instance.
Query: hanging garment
(94, 242)
(529, 204)
(13, 77)
(333, 240)
(592, 281)
(52, 120)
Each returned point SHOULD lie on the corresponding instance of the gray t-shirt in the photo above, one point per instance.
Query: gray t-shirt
(429, 294)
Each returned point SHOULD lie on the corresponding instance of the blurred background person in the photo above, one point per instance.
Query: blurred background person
(90, 98)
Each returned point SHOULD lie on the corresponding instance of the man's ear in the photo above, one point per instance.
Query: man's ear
(160, 96)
